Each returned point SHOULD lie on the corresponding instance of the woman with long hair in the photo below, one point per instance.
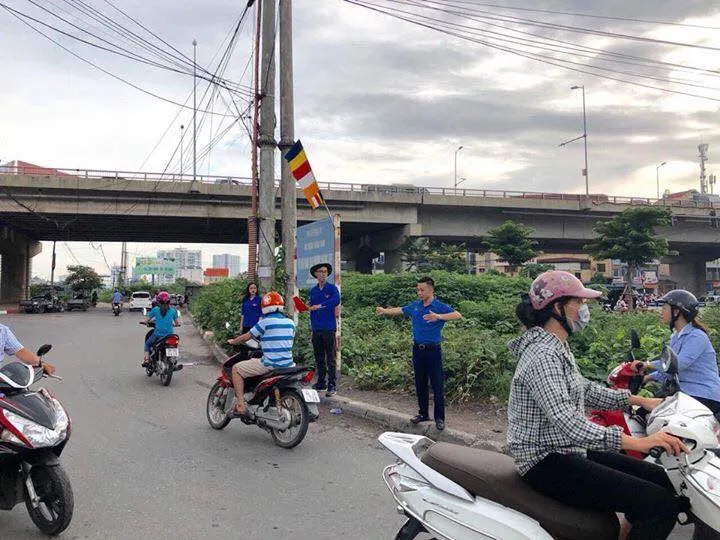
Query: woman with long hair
(251, 311)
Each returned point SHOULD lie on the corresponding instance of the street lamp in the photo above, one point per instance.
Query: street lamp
(456, 154)
(657, 177)
(181, 149)
(583, 136)
(194, 109)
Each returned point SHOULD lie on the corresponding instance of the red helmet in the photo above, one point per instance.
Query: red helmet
(163, 297)
(272, 302)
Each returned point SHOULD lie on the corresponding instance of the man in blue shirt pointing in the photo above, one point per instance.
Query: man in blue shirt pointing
(324, 298)
(428, 316)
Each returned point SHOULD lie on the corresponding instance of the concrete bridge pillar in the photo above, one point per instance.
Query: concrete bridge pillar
(16, 253)
(689, 273)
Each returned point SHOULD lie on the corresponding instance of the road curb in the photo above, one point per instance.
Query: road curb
(11, 311)
(393, 420)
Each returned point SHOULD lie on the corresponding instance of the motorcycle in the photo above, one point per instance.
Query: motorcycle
(458, 493)
(276, 401)
(164, 355)
(116, 309)
(34, 429)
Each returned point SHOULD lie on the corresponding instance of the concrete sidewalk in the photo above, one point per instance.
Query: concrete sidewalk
(393, 420)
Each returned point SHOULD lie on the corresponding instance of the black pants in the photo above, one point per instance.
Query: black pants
(323, 342)
(711, 404)
(612, 482)
(427, 364)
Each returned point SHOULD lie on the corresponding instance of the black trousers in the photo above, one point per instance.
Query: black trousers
(427, 364)
(323, 342)
(711, 404)
(612, 482)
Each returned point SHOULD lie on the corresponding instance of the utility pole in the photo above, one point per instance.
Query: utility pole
(122, 278)
(267, 143)
(252, 221)
(287, 138)
(193, 185)
(52, 267)
(181, 150)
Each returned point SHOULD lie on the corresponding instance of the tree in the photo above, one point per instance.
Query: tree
(534, 270)
(424, 255)
(83, 278)
(631, 238)
(511, 242)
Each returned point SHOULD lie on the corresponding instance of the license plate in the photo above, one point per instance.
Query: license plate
(310, 395)
(172, 352)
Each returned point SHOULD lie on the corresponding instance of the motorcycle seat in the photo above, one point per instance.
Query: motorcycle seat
(252, 382)
(492, 476)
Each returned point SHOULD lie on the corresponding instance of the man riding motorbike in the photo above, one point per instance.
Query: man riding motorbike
(697, 361)
(276, 333)
(165, 318)
(557, 450)
(117, 298)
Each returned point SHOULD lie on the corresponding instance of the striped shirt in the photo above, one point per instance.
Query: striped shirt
(275, 333)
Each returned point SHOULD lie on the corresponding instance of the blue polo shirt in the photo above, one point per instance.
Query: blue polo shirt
(426, 331)
(251, 311)
(328, 298)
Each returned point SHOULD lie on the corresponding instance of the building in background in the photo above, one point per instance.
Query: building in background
(193, 275)
(226, 260)
(211, 275)
(182, 257)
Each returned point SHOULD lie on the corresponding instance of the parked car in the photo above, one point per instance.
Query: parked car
(140, 300)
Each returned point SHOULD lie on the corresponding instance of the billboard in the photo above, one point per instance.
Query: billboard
(152, 266)
(315, 244)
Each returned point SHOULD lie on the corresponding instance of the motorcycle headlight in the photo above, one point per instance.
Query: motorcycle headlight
(38, 436)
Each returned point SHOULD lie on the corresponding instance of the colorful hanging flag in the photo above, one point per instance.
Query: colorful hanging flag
(301, 171)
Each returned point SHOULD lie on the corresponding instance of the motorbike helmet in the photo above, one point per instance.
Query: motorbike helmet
(554, 284)
(272, 302)
(681, 301)
(163, 297)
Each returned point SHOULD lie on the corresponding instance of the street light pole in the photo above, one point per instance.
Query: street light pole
(657, 177)
(181, 150)
(194, 109)
(456, 154)
(584, 137)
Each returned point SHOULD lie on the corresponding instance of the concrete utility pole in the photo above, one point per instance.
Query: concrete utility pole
(267, 143)
(288, 191)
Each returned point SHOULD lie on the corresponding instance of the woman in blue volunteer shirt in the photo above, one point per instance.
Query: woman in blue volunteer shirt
(428, 316)
(251, 311)
(697, 361)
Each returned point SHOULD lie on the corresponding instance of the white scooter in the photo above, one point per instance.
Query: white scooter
(454, 492)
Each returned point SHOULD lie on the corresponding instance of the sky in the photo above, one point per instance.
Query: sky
(377, 99)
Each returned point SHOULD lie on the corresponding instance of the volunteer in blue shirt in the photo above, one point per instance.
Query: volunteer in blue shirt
(697, 361)
(9, 345)
(251, 311)
(324, 299)
(428, 316)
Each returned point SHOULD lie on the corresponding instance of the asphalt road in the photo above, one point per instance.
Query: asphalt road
(144, 462)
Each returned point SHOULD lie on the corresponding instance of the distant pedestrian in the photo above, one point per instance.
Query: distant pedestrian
(428, 316)
(324, 299)
(251, 311)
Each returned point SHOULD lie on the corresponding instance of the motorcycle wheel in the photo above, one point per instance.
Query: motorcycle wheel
(215, 410)
(167, 370)
(410, 530)
(52, 485)
(300, 418)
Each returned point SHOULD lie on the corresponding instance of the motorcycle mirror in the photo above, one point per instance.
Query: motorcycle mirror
(42, 351)
(669, 360)
(634, 339)
(144, 312)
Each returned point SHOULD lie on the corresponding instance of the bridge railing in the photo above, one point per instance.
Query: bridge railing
(380, 189)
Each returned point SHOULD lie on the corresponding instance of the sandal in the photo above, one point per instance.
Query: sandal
(239, 413)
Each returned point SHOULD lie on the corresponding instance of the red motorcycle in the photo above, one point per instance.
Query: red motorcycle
(625, 377)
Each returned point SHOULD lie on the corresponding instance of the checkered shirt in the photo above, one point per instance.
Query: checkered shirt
(548, 397)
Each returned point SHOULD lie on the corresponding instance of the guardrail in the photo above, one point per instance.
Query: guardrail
(380, 189)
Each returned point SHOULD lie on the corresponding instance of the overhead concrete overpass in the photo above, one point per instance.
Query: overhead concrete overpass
(74, 205)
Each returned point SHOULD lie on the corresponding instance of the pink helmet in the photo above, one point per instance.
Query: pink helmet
(163, 297)
(549, 286)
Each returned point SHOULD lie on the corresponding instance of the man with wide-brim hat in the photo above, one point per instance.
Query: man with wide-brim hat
(324, 299)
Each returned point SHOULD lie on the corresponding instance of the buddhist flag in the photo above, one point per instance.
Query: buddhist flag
(301, 171)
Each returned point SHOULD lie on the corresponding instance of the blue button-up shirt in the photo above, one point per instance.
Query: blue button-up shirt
(117, 298)
(9, 344)
(697, 363)
(328, 298)
(426, 331)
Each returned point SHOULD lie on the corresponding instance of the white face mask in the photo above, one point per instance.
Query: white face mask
(582, 320)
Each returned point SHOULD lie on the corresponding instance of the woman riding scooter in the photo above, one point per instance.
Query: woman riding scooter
(697, 361)
(557, 450)
(165, 318)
